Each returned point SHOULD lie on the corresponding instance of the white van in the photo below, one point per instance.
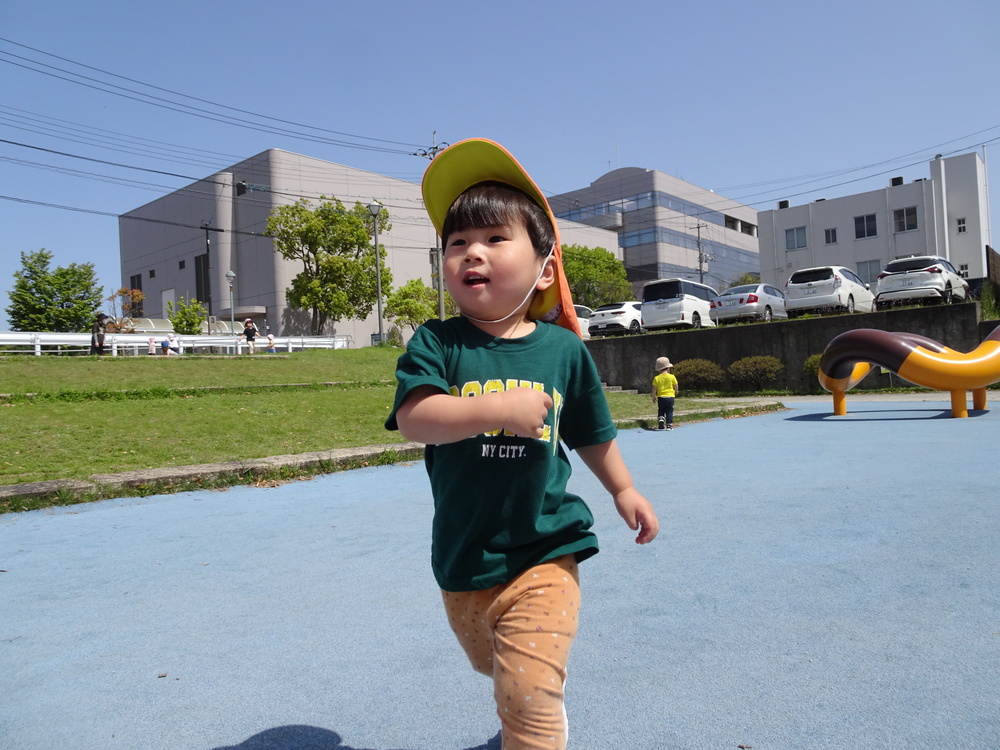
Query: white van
(676, 302)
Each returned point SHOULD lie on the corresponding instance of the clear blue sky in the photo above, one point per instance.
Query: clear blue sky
(758, 101)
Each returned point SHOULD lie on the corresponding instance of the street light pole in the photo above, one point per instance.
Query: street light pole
(231, 277)
(375, 209)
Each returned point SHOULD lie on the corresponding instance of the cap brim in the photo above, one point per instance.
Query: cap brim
(457, 168)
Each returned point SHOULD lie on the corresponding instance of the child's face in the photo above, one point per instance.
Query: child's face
(489, 271)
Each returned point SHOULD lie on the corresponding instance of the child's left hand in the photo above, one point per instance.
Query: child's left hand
(638, 514)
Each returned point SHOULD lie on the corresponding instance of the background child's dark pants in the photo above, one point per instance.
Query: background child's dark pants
(665, 408)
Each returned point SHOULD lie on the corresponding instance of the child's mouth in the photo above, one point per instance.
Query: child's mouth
(476, 280)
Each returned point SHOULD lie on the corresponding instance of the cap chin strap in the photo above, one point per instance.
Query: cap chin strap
(531, 291)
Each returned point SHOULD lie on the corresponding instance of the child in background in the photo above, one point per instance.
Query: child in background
(271, 349)
(664, 391)
(494, 393)
(250, 332)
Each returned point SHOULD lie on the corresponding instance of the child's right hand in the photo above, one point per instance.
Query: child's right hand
(524, 411)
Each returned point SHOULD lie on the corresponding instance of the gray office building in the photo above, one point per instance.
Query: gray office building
(666, 227)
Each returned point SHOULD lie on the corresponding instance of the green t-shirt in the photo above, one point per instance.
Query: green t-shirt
(500, 501)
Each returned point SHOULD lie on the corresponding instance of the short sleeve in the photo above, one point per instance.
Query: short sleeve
(423, 363)
(586, 419)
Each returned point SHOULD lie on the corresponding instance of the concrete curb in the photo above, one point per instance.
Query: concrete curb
(110, 484)
(194, 472)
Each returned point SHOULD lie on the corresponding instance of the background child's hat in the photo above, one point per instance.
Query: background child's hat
(663, 363)
(457, 168)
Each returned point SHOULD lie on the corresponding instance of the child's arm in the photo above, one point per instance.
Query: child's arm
(605, 460)
(428, 415)
(654, 393)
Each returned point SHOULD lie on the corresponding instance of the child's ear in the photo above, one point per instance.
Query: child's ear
(548, 276)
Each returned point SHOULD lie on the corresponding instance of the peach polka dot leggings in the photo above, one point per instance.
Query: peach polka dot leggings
(520, 633)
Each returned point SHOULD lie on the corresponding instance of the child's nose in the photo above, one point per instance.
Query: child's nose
(473, 252)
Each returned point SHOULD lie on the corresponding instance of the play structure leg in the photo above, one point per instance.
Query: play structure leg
(979, 398)
(839, 403)
(959, 406)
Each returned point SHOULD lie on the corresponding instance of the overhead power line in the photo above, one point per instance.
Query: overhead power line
(176, 106)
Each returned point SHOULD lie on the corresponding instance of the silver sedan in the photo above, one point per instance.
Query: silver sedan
(748, 302)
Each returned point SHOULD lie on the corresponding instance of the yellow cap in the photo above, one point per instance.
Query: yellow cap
(457, 168)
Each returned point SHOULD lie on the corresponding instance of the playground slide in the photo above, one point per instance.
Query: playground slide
(849, 357)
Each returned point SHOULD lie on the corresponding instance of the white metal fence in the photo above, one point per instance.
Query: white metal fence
(135, 344)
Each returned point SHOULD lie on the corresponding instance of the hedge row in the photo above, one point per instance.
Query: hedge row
(748, 373)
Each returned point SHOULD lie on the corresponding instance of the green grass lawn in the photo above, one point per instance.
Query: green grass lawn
(51, 374)
(73, 417)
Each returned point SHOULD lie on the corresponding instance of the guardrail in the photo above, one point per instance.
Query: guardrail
(135, 344)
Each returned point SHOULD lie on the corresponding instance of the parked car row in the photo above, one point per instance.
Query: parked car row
(668, 303)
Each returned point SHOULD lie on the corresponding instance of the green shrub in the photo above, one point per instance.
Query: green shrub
(988, 304)
(755, 372)
(698, 375)
(811, 366)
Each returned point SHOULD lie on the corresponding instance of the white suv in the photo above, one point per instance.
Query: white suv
(923, 277)
(826, 289)
(618, 317)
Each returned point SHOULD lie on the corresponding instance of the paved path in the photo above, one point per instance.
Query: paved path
(820, 582)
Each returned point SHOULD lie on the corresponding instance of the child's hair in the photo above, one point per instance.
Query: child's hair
(493, 204)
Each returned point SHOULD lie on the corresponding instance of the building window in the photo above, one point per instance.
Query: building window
(152, 273)
(831, 236)
(961, 226)
(135, 283)
(869, 270)
(864, 226)
(905, 219)
(795, 239)
(963, 270)
(180, 265)
(732, 222)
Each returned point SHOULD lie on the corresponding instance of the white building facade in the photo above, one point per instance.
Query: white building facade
(183, 244)
(946, 215)
(667, 227)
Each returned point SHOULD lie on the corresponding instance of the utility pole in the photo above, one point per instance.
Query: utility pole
(430, 153)
(208, 255)
(703, 257)
(437, 273)
(437, 257)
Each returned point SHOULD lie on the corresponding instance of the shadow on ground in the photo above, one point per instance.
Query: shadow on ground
(302, 737)
(891, 415)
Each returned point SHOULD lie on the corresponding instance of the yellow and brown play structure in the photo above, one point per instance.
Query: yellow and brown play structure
(849, 357)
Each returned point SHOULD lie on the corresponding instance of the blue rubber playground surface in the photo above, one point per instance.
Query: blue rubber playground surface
(819, 582)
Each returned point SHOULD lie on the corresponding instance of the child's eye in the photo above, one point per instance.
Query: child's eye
(496, 238)
(457, 242)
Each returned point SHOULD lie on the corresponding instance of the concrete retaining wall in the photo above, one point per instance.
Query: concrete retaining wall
(627, 361)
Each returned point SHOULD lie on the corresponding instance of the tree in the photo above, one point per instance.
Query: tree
(748, 277)
(595, 276)
(338, 279)
(65, 299)
(413, 303)
(126, 304)
(186, 317)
